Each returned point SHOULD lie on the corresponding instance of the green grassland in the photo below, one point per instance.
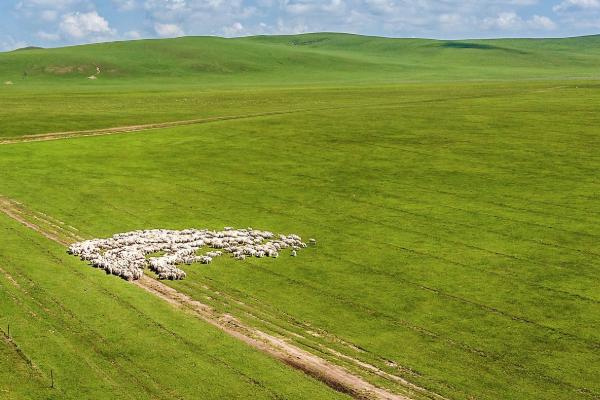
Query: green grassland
(165, 80)
(313, 58)
(452, 187)
(106, 339)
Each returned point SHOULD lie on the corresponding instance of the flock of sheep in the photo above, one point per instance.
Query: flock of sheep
(128, 254)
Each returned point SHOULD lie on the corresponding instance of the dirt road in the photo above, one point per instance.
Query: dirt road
(336, 376)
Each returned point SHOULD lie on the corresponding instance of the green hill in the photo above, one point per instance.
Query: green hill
(308, 58)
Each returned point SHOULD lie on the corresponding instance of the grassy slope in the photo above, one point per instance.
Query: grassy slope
(18, 379)
(463, 249)
(308, 58)
(105, 339)
(165, 80)
(29, 113)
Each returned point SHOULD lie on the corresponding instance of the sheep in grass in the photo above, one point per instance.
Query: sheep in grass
(205, 259)
(125, 254)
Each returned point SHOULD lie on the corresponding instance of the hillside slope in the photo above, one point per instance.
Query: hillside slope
(308, 58)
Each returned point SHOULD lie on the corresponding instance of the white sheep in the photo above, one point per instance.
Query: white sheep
(124, 254)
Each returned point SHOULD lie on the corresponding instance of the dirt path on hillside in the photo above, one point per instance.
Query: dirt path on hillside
(335, 376)
(134, 128)
(137, 128)
(11, 208)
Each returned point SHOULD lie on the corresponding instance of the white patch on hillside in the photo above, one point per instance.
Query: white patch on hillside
(125, 254)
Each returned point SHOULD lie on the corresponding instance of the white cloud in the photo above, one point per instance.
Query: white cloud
(133, 35)
(457, 23)
(49, 15)
(125, 5)
(46, 3)
(216, 17)
(168, 30)
(574, 5)
(85, 25)
(381, 6)
(284, 28)
(541, 22)
(401, 18)
(510, 21)
(27, 6)
(235, 29)
(52, 37)
(503, 21)
(8, 43)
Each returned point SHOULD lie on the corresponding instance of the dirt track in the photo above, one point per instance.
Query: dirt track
(137, 128)
(333, 375)
(133, 128)
(280, 348)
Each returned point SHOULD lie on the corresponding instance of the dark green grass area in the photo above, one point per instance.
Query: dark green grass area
(457, 235)
(106, 339)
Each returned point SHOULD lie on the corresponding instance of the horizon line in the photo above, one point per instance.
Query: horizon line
(34, 47)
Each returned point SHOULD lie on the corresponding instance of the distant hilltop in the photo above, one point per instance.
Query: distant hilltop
(29, 48)
(305, 59)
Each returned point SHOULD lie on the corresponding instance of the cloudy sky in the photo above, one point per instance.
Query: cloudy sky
(51, 23)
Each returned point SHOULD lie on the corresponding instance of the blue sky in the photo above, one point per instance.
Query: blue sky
(51, 23)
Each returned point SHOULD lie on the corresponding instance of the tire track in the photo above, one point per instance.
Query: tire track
(402, 323)
(335, 376)
(159, 125)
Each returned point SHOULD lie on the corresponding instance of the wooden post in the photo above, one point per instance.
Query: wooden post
(52, 378)
(8, 333)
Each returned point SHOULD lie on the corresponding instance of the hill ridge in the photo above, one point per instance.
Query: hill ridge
(307, 58)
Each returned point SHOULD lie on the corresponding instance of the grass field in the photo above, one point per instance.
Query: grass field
(457, 220)
(107, 339)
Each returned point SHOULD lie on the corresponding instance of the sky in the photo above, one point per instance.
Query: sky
(53, 23)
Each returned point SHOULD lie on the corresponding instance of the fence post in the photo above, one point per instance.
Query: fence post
(52, 378)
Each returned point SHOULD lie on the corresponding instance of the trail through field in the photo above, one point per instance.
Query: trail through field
(133, 128)
(159, 125)
(279, 347)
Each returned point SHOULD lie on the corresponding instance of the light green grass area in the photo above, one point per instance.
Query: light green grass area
(452, 187)
(18, 378)
(70, 109)
(457, 229)
(165, 80)
(106, 339)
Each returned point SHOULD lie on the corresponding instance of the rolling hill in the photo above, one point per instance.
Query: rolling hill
(307, 58)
